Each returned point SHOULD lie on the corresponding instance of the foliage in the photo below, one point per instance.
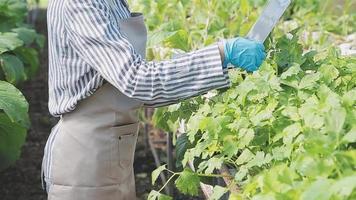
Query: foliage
(13, 123)
(286, 131)
(19, 45)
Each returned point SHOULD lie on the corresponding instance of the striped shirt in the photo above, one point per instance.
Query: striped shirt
(86, 47)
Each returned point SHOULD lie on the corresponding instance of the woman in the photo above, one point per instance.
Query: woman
(98, 77)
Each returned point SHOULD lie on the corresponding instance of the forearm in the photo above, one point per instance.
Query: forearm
(165, 82)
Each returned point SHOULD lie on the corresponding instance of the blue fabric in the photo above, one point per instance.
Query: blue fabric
(244, 53)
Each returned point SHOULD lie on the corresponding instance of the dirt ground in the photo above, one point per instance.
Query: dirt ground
(22, 181)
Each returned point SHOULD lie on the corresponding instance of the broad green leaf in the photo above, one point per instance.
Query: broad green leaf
(260, 159)
(281, 152)
(320, 189)
(310, 114)
(14, 104)
(178, 40)
(181, 148)
(13, 68)
(9, 42)
(210, 165)
(230, 146)
(312, 166)
(350, 136)
(245, 137)
(40, 41)
(291, 132)
(329, 73)
(349, 98)
(188, 182)
(291, 112)
(28, 36)
(344, 187)
(218, 192)
(264, 115)
(235, 196)
(244, 157)
(309, 81)
(157, 172)
(241, 174)
(292, 71)
(12, 137)
(335, 119)
(13, 10)
(29, 57)
(244, 7)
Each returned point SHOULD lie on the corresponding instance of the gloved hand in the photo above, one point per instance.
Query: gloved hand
(243, 53)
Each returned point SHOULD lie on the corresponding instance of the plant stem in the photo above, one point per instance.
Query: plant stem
(169, 180)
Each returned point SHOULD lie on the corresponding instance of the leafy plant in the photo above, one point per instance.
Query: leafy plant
(284, 132)
(14, 123)
(19, 45)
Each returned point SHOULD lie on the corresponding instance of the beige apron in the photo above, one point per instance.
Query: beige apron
(93, 151)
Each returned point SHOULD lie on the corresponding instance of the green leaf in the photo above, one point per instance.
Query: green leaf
(218, 192)
(28, 36)
(290, 132)
(9, 42)
(344, 187)
(12, 137)
(210, 165)
(230, 147)
(260, 159)
(13, 68)
(154, 195)
(290, 51)
(40, 41)
(292, 71)
(310, 114)
(281, 152)
(241, 174)
(349, 98)
(309, 81)
(350, 136)
(181, 148)
(320, 189)
(188, 182)
(335, 120)
(157, 172)
(178, 40)
(245, 137)
(13, 11)
(14, 104)
(30, 58)
(244, 157)
(291, 112)
(329, 73)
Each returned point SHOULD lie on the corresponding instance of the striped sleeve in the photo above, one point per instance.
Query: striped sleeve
(101, 45)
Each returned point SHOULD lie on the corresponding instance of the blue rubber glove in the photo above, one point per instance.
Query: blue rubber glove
(244, 53)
